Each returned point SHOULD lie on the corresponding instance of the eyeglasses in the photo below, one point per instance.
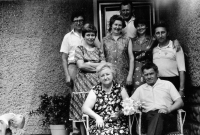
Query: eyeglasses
(80, 21)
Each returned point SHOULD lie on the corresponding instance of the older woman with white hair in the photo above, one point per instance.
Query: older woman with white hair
(103, 104)
(10, 120)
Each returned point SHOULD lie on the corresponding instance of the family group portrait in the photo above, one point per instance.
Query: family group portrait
(99, 67)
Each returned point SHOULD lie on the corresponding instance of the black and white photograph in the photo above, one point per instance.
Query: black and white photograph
(99, 67)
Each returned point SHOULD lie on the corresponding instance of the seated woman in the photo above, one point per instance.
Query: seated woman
(103, 104)
(10, 120)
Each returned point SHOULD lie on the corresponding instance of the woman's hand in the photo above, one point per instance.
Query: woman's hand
(99, 122)
(129, 80)
(114, 116)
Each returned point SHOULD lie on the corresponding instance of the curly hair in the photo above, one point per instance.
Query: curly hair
(102, 66)
(113, 19)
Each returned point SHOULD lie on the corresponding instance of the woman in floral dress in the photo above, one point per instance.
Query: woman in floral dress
(87, 57)
(118, 50)
(142, 51)
(103, 104)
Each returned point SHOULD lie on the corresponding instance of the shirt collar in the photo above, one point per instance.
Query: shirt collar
(132, 19)
(76, 34)
(167, 46)
(157, 82)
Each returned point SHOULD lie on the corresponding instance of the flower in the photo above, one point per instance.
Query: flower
(131, 106)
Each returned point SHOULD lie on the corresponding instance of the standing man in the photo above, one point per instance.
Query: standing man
(70, 42)
(129, 17)
(161, 100)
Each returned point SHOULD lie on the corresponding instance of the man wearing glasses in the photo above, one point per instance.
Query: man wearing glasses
(70, 41)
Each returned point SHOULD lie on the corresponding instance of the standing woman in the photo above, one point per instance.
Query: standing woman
(170, 62)
(118, 50)
(142, 44)
(87, 57)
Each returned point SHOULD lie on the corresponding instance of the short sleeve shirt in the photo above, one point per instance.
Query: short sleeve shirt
(70, 42)
(159, 96)
(168, 60)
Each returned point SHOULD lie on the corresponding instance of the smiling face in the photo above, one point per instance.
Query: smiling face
(106, 76)
(150, 76)
(89, 38)
(161, 34)
(117, 27)
(141, 29)
(78, 23)
(126, 12)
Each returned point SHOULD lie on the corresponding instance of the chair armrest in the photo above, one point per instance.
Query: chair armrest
(85, 117)
(138, 118)
(180, 120)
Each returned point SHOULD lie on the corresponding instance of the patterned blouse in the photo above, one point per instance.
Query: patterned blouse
(116, 52)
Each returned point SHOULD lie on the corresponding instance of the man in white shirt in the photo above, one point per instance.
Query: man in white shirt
(128, 15)
(160, 98)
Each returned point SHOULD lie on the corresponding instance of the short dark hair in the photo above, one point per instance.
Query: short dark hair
(126, 2)
(140, 21)
(77, 14)
(160, 24)
(149, 65)
(88, 28)
(114, 18)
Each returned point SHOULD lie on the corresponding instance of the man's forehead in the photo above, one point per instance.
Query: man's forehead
(147, 71)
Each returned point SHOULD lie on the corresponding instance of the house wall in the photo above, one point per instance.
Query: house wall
(183, 17)
(31, 33)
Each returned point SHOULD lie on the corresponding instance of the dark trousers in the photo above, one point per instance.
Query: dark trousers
(158, 123)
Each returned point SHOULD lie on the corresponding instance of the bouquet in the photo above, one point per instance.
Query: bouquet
(131, 106)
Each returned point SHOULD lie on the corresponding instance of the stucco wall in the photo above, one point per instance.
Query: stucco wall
(31, 32)
(183, 17)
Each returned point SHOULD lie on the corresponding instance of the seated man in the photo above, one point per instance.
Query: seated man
(160, 98)
(10, 120)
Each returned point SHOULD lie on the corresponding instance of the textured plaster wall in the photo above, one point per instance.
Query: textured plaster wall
(184, 21)
(183, 17)
(31, 32)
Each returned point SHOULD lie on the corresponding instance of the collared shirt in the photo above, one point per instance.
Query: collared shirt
(168, 60)
(159, 96)
(130, 29)
(70, 42)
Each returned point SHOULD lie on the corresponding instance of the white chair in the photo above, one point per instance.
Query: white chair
(86, 123)
(181, 114)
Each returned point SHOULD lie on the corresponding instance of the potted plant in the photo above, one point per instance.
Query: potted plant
(55, 110)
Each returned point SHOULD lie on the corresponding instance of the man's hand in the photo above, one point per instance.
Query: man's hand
(68, 80)
(165, 111)
(182, 93)
(177, 45)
